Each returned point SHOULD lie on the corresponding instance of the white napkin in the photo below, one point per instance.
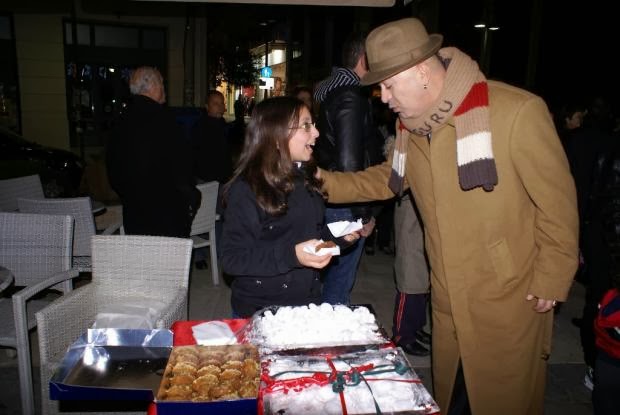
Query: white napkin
(344, 227)
(323, 251)
(213, 333)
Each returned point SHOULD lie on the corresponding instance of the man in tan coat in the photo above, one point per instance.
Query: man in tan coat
(498, 205)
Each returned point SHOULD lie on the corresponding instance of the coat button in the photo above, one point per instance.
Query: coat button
(270, 227)
(258, 282)
(284, 286)
(544, 356)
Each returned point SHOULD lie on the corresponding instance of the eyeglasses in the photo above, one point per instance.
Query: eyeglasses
(307, 126)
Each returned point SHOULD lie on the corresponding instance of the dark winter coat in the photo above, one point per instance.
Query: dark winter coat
(149, 167)
(259, 249)
(211, 153)
(349, 138)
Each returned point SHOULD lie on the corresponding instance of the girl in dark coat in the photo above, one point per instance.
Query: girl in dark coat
(274, 207)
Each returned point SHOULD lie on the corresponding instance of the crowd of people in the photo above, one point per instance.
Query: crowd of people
(495, 209)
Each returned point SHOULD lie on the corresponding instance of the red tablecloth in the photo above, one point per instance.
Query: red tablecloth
(183, 336)
(182, 330)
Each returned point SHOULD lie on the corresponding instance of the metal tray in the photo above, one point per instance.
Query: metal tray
(115, 364)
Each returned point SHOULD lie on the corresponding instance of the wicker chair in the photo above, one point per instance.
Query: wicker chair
(124, 268)
(204, 222)
(11, 189)
(81, 210)
(37, 251)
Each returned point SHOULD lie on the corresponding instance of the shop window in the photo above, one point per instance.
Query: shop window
(5, 28)
(116, 36)
(83, 34)
(97, 74)
(153, 39)
(9, 88)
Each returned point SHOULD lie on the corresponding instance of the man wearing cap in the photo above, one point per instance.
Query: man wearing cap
(498, 205)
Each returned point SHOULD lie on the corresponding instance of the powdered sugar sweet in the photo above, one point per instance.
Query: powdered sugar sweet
(315, 326)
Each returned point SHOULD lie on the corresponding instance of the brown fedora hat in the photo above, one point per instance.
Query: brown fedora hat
(397, 46)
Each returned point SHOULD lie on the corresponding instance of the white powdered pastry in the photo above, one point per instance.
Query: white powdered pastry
(390, 391)
(315, 326)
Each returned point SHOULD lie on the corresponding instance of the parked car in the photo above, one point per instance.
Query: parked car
(60, 170)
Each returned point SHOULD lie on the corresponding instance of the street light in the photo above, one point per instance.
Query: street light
(485, 52)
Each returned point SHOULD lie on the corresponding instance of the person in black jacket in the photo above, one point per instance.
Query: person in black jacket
(211, 152)
(212, 159)
(348, 142)
(273, 208)
(149, 163)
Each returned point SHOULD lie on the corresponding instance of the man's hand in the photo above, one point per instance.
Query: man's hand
(352, 237)
(542, 305)
(368, 227)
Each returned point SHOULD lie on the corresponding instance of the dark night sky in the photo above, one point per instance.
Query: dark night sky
(576, 43)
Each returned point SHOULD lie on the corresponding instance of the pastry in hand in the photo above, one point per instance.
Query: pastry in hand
(326, 244)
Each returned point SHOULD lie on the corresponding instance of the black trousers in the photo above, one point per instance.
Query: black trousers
(598, 268)
(409, 316)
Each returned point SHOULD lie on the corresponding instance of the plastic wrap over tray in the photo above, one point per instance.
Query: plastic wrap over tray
(368, 382)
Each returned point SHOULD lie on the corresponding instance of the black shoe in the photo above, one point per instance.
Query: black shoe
(423, 337)
(415, 349)
(202, 264)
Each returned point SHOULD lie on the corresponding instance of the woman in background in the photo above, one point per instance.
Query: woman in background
(274, 207)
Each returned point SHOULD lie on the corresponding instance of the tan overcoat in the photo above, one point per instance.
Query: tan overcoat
(488, 250)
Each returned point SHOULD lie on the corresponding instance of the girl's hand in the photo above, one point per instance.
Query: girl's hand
(310, 260)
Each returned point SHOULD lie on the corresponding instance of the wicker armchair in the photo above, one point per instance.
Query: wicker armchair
(204, 222)
(81, 210)
(124, 268)
(36, 249)
(11, 189)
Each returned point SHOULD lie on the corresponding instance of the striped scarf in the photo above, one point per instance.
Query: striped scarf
(465, 97)
(339, 77)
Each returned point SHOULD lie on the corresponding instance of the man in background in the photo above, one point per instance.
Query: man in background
(212, 158)
(149, 163)
(211, 153)
(348, 142)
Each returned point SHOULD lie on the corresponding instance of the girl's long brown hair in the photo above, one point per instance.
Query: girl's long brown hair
(265, 162)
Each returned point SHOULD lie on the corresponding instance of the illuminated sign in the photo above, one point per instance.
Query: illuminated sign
(265, 83)
(266, 72)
